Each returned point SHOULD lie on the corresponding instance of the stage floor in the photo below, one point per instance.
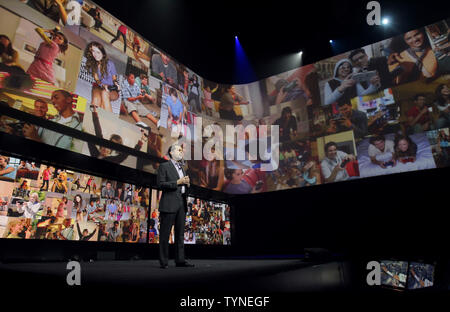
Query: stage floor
(208, 276)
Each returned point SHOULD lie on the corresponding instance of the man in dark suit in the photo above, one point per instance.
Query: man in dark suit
(171, 179)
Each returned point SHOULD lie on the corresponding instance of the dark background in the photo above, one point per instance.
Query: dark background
(200, 33)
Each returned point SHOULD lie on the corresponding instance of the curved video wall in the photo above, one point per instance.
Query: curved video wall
(377, 110)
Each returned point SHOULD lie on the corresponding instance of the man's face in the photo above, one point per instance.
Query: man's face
(420, 102)
(85, 233)
(130, 79)
(40, 109)
(345, 110)
(379, 144)
(332, 152)
(361, 60)
(108, 186)
(144, 81)
(165, 59)
(177, 153)
(414, 38)
(60, 102)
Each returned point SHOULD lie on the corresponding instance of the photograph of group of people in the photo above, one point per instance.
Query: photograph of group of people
(75, 64)
(404, 275)
(45, 202)
(207, 222)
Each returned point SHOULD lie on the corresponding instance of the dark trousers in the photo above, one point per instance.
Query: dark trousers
(177, 219)
(45, 183)
(124, 40)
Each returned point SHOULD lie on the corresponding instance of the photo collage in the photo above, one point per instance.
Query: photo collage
(380, 109)
(44, 202)
(207, 222)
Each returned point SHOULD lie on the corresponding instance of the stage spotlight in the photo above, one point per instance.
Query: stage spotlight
(243, 71)
(331, 41)
(385, 21)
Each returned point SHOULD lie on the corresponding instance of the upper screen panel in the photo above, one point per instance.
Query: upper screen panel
(385, 106)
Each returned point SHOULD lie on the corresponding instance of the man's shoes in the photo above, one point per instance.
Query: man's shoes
(164, 266)
(185, 265)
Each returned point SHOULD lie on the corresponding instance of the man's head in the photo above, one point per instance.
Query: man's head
(176, 152)
(419, 100)
(414, 38)
(378, 141)
(165, 59)
(40, 108)
(286, 113)
(281, 83)
(62, 100)
(108, 185)
(85, 232)
(359, 58)
(116, 224)
(331, 150)
(130, 79)
(34, 197)
(173, 93)
(345, 109)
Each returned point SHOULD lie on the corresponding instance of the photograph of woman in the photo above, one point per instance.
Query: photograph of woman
(60, 210)
(105, 87)
(55, 43)
(78, 206)
(405, 149)
(7, 172)
(9, 57)
(443, 104)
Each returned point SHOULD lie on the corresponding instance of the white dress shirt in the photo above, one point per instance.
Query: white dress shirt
(180, 173)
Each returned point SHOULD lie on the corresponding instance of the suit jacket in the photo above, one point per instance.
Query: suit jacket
(171, 199)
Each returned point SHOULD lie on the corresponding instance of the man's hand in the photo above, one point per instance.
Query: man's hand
(338, 168)
(183, 180)
(332, 128)
(30, 132)
(280, 96)
(375, 80)
(346, 122)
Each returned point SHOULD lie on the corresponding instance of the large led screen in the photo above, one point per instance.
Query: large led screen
(39, 201)
(376, 110)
